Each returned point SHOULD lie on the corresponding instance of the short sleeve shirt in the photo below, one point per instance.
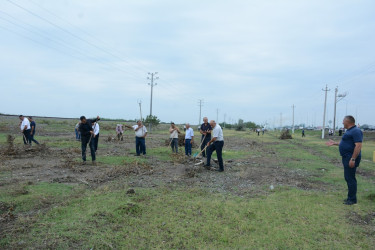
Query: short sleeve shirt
(206, 127)
(347, 144)
(218, 133)
(140, 132)
(33, 124)
(25, 122)
(189, 133)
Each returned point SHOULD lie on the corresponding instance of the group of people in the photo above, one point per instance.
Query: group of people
(212, 139)
(27, 126)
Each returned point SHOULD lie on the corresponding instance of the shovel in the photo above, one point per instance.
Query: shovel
(200, 146)
(197, 154)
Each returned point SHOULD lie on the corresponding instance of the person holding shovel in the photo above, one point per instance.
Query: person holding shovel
(140, 137)
(216, 143)
(174, 131)
(87, 133)
(205, 131)
(25, 129)
(189, 139)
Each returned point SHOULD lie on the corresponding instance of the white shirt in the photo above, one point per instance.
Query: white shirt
(96, 129)
(140, 132)
(218, 133)
(174, 134)
(24, 123)
(189, 133)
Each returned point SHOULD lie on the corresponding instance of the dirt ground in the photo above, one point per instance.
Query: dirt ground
(45, 164)
(249, 176)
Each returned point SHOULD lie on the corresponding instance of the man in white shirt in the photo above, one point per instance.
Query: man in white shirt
(119, 132)
(140, 135)
(25, 129)
(95, 139)
(189, 139)
(216, 143)
(174, 131)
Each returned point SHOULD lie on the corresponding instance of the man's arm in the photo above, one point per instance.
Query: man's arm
(145, 135)
(332, 143)
(357, 150)
(32, 130)
(211, 141)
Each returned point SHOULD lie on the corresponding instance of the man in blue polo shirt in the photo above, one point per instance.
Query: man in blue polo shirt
(205, 130)
(350, 150)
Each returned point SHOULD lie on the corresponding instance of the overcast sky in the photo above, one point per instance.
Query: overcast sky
(247, 59)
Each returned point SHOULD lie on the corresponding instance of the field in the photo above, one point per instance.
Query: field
(273, 194)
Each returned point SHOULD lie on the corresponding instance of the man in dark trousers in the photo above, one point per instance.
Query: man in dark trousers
(25, 129)
(205, 130)
(350, 150)
(303, 132)
(87, 132)
(32, 132)
(215, 144)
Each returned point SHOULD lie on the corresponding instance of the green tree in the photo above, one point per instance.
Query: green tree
(153, 120)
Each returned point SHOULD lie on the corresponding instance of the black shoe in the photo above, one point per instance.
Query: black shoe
(345, 200)
(350, 203)
(218, 170)
(207, 167)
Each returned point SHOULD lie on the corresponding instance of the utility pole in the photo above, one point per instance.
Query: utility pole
(152, 84)
(200, 103)
(217, 116)
(225, 116)
(293, 119)
(324, 115)
(140, 108)
(337, 99)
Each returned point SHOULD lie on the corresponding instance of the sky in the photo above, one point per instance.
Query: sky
(250, 60)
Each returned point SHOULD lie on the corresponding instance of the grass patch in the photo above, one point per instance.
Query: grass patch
(194, 218)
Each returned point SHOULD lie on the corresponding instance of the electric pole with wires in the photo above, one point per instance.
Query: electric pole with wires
(324, 114)
(200, 103)
(338, 97)
(152, 78)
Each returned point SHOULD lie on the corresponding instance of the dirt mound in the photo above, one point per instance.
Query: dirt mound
(285, 135)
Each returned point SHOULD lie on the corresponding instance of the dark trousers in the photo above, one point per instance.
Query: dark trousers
(26, 136)
(33, 140)
(78, 134)
(96, 141)
(204, 144)
(188, 146)
(218, 146)
(84, 141)
(174, 145)
(349, 174)
(140, 145)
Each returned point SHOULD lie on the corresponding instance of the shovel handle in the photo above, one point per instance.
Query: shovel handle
(201, 151)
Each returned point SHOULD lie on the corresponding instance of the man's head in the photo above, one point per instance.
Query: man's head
(82, 119)
(21, 117)
(348, 121)
(172, 124)
(213, 123)
(30, 118)
(205, 119)
(139, 123)
(187, 125)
